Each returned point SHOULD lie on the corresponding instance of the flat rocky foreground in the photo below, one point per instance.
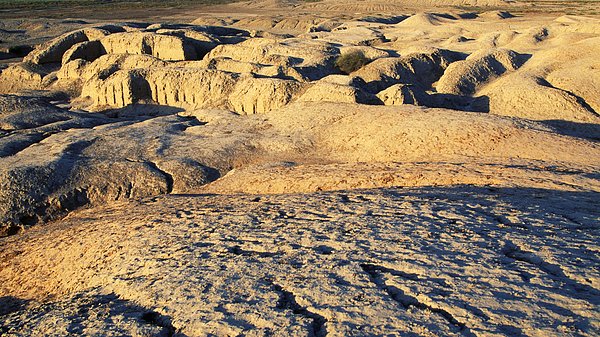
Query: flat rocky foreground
(455, 261)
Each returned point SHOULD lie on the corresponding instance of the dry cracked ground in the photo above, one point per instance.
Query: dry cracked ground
(288, 168)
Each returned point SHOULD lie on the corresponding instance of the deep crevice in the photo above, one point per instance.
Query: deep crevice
(237, 250)
(168, 176)
(154, 318)
(514, 252)
(406, 300)
(368, 268)
(287, 301)
(581, 291)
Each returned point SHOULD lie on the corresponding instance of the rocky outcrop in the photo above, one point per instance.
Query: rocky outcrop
(22, 76)
(353, 33)
(117, 91)
(19, 112)
(165, 86)
(108, 64)
(57, 161)
(312, 59)
(370, 53)
(531, 97)
(259, 95)
(53, 51)
(190, 88)
(195, 87)
(35, 193)
(202, 42)
(164, 47)
(186, 175)
(166, 42)
(261, 70)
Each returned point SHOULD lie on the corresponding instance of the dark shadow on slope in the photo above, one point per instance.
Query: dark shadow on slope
(468, 15)
(587, 131)
(120, 307)
(387, 20)
(459, 102)
(80, 312)
(12, 31)
(10, 304)
(142, 110)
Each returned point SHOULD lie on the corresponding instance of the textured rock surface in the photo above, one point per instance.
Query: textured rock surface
(431, 261)
(165, 47)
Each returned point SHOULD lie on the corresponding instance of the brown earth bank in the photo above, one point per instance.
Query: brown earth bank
(279, 168)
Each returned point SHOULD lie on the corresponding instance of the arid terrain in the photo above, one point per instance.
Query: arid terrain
(300, 168)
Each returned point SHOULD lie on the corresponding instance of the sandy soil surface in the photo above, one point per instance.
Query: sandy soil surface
(295, 168)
